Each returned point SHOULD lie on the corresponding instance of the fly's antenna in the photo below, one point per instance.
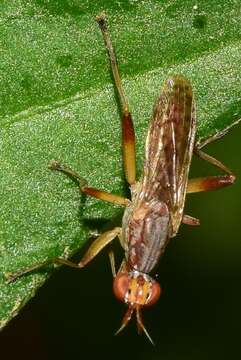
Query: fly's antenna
(126, 319)
(141, 326)
(101, 19)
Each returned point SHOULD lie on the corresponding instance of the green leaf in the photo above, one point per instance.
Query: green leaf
(58, 102)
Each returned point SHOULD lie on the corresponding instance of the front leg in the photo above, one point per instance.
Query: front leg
(97, 245)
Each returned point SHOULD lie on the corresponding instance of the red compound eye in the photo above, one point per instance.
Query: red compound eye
(154, 295)
(121, 285)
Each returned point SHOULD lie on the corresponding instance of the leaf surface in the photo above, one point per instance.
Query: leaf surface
(58, 102)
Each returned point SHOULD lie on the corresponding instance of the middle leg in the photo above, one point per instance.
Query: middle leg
(210, 182)
(99, 194)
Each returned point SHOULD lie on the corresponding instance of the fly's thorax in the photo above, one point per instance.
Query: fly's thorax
(145, 232)
(136, 289)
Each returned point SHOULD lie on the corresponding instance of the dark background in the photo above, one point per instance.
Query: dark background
(75, 314)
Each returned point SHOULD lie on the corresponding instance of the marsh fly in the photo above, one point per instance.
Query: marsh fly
(155, 211)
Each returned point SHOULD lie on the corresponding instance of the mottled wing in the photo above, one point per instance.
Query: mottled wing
(169, 147)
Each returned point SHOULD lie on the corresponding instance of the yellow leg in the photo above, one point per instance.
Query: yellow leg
(213, 161)
(128, 134)
(112, 262)
(99, 194)
(97, 245)
(190, 220)
(209, 183)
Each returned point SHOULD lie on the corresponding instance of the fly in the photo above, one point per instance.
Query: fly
(155, 211)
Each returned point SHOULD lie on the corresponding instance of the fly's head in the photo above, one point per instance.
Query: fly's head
(137, 290)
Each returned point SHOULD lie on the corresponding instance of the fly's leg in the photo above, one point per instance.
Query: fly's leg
(97, 245)
(190, 220)
(122, 268)
(128, 134)
(112, 262)
(99, 194)
(219, 134)
(112, 256)
(212, 161)
(210, 182)
(12, 276)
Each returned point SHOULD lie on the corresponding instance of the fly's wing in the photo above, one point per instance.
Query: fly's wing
(169, 148)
